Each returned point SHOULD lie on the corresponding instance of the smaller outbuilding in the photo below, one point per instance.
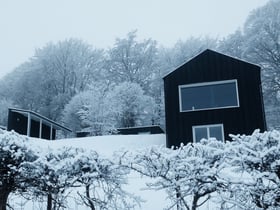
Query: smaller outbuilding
(32, 124)
(81, 134)
(153, 129)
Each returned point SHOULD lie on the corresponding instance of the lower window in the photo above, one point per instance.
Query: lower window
(208, 131)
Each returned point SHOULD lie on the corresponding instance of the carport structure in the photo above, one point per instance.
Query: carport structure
(32, 124)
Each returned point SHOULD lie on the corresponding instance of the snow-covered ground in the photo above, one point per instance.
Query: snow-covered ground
(107, 145)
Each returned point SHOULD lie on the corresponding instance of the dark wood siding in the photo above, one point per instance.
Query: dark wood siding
(18, 123)
(211, 66)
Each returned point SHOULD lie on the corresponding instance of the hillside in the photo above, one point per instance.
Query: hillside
(107, 145)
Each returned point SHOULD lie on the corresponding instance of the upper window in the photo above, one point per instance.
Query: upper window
(208, 95)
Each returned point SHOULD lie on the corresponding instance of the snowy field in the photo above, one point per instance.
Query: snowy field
(107, 145)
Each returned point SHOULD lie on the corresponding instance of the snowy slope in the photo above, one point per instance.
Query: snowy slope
(107, 145)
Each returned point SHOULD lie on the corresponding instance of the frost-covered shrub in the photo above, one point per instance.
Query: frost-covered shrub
(52, 175)
(243, 173)
(257, 157)
(189, 174)
(15, 152)
(102, 180)
(99, 181)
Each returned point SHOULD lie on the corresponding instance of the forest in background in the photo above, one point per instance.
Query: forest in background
(99, 90)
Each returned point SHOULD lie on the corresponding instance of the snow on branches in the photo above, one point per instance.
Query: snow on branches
(189, 174)
(15, 151)
(258, 156)
(244, 173)
(52, 173)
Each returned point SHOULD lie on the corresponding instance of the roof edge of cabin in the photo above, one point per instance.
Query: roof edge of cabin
(204, 51)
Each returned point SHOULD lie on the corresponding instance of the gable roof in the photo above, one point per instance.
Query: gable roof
(205, 53)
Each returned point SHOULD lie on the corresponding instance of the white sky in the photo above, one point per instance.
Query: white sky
(29, 24)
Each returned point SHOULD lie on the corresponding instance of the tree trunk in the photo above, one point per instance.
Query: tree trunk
(181, 203)
(49, 202)
(4, 194)
(195, 200)
(90, 203)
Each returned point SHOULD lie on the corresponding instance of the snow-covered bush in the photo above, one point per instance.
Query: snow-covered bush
(189, 174)
(257, 158)
(52, 175)
(243, 173)
(99, 181)
(15, 152)
(102, 180)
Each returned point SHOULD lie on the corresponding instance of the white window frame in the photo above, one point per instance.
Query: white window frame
(208, 131)
(208, 84)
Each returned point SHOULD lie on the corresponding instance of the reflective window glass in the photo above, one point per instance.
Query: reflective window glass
(211, 95)
(200, 133)
(216, 132)
(208, 131)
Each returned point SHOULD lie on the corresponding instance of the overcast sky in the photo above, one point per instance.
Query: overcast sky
(29, 24)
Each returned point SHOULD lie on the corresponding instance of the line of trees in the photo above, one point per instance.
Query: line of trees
(58, 72)
(243, 173)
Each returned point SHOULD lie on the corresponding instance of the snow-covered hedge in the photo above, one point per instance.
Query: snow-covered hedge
(15, 152)
(244, 172)
(51, 173)
(257, 157)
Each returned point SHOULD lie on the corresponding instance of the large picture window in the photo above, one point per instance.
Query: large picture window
(208, 131)
(208, 95)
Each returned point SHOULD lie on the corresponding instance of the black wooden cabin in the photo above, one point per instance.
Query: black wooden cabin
(32, 124)
(212, 95)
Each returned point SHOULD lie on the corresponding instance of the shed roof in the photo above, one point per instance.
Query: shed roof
(37, 117)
